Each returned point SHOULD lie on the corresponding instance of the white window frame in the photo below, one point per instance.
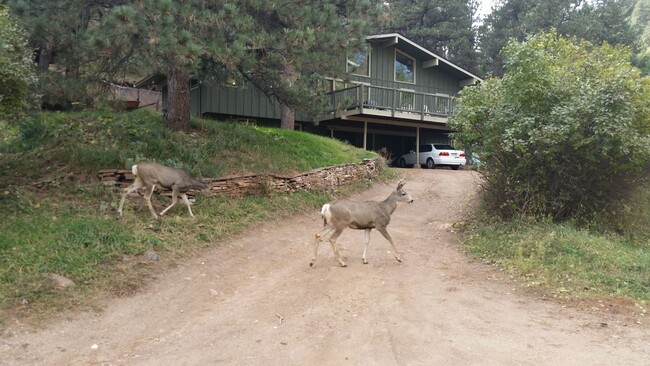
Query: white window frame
(395, 67)
(369, 60)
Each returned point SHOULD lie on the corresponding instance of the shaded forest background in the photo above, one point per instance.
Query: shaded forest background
(283, 48)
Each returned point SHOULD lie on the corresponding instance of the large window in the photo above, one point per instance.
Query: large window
(359, 63)
(404, 68)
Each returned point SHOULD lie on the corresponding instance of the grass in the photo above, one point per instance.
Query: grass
(58, 219)
(609, 259)
(566, 260)
(88, 141)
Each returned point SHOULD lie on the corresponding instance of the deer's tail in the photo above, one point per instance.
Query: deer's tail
(134, 170)
(326, 212)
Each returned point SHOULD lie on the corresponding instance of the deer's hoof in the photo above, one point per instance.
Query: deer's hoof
(311, 264)
(343, 264)
(365, 261)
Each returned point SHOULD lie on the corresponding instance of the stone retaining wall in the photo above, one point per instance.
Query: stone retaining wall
(259, 184)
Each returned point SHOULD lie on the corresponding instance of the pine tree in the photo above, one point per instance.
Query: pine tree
(278, 46)
(597, 22)
(444, 27)
(640, 21)
(298, 42)
(59, 31)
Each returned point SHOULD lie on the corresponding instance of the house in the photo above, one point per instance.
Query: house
(398, 95)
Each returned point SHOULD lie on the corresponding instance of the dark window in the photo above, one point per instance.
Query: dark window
(425, 148)
(444, 147)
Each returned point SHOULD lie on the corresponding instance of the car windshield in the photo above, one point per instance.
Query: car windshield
(443, 147)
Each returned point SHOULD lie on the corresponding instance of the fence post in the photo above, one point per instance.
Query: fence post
(361, 98)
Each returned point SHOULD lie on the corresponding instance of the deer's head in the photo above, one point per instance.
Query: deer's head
(402, 196)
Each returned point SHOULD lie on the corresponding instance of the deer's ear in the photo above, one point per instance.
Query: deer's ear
(400, 184)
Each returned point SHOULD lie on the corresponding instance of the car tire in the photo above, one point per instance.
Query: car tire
(401, 163)
(455, 167)
(430, 164)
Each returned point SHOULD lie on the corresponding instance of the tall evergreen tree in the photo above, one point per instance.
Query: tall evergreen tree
(297, 44)
(59, 32)
(278, 46)
(443, 26)
(640, 21)
(171, 37)
(597, 22)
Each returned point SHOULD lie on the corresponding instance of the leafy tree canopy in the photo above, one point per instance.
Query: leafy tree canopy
(277, 46)
(640, 20)
(68, 65)
(597, 22)
(564, 133)
(17, 77)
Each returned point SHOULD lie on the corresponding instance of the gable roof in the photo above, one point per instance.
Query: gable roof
(388, 39)
(430, 58)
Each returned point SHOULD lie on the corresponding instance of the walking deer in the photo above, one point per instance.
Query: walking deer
(368, 215)
(151, 175)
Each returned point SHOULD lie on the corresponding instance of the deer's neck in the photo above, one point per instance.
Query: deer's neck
(390, 203)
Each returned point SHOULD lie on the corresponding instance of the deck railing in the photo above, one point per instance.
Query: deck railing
(368, 98)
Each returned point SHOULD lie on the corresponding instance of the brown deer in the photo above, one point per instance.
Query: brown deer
(151, 175)
(368, 215)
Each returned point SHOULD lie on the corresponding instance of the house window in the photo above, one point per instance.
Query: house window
(404, 68)
(359, 63)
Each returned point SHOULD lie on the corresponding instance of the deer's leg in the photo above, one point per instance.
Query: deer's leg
(174, 200)
(365, 261)
(147, 197)
(317, 237)
(335, 248)
(130, 189)
(187, 203)
(383, 232)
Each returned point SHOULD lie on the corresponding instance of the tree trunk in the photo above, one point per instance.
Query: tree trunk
(288, 121)
(178, 99)
(44, 56)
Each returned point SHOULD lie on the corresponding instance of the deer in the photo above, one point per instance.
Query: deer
(360, 215)
(150, 175)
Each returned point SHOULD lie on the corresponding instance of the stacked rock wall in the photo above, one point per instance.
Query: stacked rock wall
(258, 184)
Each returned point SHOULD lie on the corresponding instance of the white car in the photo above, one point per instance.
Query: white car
(432, 155)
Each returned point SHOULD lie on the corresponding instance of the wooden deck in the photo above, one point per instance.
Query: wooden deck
(388, 103)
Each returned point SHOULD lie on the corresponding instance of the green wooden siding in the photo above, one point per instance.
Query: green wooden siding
(430, 80)
(239, 102)
(252, 103)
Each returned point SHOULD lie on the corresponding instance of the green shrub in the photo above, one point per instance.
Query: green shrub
(17, 77)
(564, 134)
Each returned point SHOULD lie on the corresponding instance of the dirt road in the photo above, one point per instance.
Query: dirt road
(254, 300)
